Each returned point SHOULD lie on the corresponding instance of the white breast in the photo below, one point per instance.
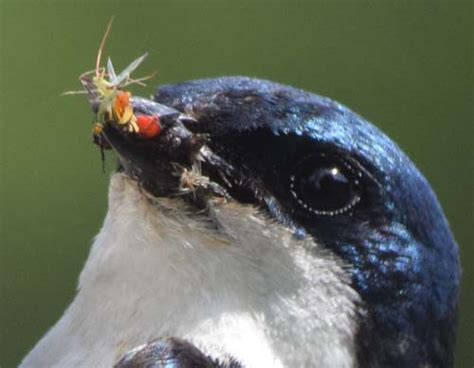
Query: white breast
(233, 284)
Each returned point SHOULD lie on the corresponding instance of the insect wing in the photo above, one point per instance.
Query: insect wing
(111, 72)
(129, 69)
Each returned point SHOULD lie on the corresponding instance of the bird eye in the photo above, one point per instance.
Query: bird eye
(326, 185)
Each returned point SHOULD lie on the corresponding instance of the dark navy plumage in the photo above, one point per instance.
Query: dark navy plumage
(404, 259)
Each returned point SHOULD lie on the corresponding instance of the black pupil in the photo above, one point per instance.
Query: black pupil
(325, 188)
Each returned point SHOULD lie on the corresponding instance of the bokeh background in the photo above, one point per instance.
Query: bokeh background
(406, 66)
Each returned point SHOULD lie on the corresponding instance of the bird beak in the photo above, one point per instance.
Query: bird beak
(153, 161)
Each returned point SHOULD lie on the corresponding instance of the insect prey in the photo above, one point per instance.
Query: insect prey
(106, 92)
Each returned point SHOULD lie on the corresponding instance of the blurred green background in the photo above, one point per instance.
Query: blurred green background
(406, 66)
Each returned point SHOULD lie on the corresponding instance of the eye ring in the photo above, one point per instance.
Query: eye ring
(339, 170)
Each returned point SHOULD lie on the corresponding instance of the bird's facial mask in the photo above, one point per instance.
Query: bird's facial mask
(193, 155)
(197, 153)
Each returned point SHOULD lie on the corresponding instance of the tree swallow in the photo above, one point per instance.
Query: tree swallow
(264, 227)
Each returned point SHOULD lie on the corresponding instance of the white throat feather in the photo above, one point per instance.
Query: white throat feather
(231, 281)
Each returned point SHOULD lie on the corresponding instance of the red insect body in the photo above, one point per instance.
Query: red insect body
(148, 126)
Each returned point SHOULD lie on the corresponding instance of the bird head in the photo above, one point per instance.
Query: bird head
(312, 168)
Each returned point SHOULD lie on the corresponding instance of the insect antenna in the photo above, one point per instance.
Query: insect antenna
(101, 47)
